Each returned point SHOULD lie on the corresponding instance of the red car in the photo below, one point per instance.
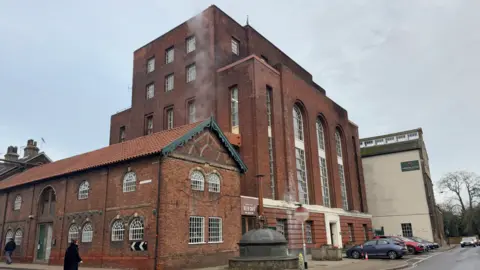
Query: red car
(412, 246)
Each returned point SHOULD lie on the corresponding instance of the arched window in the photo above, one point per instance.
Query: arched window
(18, 237)
(18, 203)
(73, 233)
(300, 155)
(129, 182)
(8, 236)
(322, 160)
(47, 202)
(197, 180)
(83, 190)
(87, 233)
(136, 230)
(118, 230)
(214, 183)
(341, 170)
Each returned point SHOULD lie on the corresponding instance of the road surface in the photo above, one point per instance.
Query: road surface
(456, 259)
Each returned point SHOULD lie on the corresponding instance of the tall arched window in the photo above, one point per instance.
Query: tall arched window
(118, 231)
(73, 233)
(47, 202)
(136, 230)
(18, 203)
(129, 182)
(8, 235)
(341, 170)
(87, 233)
(322, 160)
(83, 190)
(18, 237)
(197, 180)
(300, 155)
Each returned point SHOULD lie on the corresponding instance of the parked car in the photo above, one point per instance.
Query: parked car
(468, 242)
(413, 247)
(429, 244)
(382, 248)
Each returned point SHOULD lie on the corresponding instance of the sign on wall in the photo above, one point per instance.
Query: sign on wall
(407, 166)
(249, 206)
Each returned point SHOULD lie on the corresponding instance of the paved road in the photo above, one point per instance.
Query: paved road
(455, 259)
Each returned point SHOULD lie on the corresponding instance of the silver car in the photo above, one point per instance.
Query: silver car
(468, 242)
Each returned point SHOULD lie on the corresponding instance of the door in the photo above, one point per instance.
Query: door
(44, 244)
(369, 248)
(383, 246)
(48, 246)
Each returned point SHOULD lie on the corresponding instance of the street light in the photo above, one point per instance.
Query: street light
(301, 214)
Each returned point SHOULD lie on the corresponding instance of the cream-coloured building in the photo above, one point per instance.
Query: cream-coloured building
(398, 185)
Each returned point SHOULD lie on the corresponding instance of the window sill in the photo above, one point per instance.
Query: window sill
(220, 242)
(199, 243)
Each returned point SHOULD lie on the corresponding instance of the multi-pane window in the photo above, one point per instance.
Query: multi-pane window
(169, 55)
(191, 44)
(136, 230)
(73, 233)
(407, 230)
(297, 123)
(83, 190)
(151, 65)
(18, 203)
(320, 135)
(129, 182)
(341, 170)
(271, 162)
(192, 112)
(213, 183)
(122, 134)
(351, 236)
(196, 230)
(235, 46)
(234, 108)
(365, 232)
(338, 143)
(301, 176)
(197, 180)
(149, 125)
(215, 234)
(323, 163)
(281, 227)
(170, 118)
(18, 237)
(150, 90)
(308, 232)
(191, 73)
(8, 236)
(87, 233)
(269, 106)
(118, 231)
(169, 81)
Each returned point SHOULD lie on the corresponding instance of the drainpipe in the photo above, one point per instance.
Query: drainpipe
(157, 211)
(4, 216)
(105, 216)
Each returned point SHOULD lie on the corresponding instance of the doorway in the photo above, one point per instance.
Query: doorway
(44, 242)
(333, 233)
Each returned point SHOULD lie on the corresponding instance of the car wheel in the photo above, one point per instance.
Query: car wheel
(392, 255)
(462, 246)
(355, 254)
(410, 250)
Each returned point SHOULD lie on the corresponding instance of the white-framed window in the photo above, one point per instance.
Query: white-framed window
(118, 231)
(215, 234)
(297, 123)
(129, 182)
(234, 108)
(150, 90)
(235, 46)
(390, 139)
(320, 135)
(271, 163)
(170, 118)
(83, 190)
(407, 229)
(269, 106)
(412, 136)
(169, 82)
(196, 230)
(308, 232)
(191, 73)
(136, 230)
(169, 55)
(87, 233)
(151, 65)
(301, 176)
(338, 144)
(213, 183)
(192, 112)
(149, 125)
(18, 237)
(73, 233)
(18, 203)
(191, 44)
(8, 235)
(197, 180)
(281, 227)
(341, 170)
(323, 163)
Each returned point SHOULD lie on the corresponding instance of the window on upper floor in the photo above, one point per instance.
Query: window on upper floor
(213, 183)
(129, 182)
(150, 64)
(235, 46)
(338, 143)
(192, 117)
(197, 180)
(190, 44)
(148, 124)
(169, 82)
(234, 118)
(136, 230)
(17, 203)
(122, 135)
(170, 118)
(169, 55)
(118, 231)
(150, 90)
(83, 190)
(297, 123)
(191, 72)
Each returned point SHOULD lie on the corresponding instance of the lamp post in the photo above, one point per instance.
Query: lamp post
(301, 214)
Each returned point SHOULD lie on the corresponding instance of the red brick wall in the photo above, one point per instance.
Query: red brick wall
(359, 235)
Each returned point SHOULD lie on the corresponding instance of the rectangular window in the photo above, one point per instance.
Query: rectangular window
(343, 186)
(308, 232)
(215, 234)
(191, 73)
(235, 46)
(170, 118)
(150, 90)
(281, 227)
(196, 230)
(365, 232)
(234, 109)
(301, 176)
(269, 106)
(122, 134)
(390, 139)
(272, 165)
(192, 118)
(351, 235)
(191, 44)
(169, 55)
(169, 81)
(407, 230)
(151, 65)
(149, 125)
(325, 185)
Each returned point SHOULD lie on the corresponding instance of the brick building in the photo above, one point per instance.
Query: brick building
(182, 185)
(281, 122)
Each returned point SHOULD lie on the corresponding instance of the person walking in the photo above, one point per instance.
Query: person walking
(9, 248)
(72, 257)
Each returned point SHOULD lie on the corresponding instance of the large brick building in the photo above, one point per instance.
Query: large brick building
(182, 185)
(282, 123)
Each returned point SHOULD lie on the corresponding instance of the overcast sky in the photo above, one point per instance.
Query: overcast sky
(65, 68)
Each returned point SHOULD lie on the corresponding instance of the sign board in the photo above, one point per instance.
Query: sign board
(249, 206)
(301, 214)
(407, 166)
(139, 246)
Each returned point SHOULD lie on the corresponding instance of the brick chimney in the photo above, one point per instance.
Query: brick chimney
(31, 149)
(11, 153)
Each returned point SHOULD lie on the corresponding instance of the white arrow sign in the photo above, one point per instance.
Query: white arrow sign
(141, 246)
(133, 246)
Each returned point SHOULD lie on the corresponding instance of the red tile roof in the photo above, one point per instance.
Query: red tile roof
(135, 148)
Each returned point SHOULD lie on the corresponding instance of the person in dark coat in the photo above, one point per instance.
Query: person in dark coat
(9, 248)
(72, 258)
